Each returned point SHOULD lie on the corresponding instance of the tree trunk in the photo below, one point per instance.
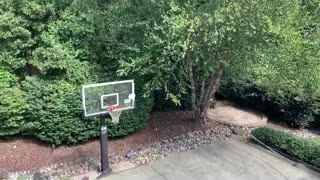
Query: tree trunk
(193, 87)
(203, 85)
(213, 86)
(206, 96)
(195, 110)
(192, 84)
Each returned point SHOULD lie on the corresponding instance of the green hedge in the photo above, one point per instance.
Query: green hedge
(54, 114)
(305, 149)
(12, 104)
(295, 110)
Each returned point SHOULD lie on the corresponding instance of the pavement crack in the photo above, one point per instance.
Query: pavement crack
(157, 172)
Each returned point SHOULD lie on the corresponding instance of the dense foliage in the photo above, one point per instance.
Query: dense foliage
(176, 49)
(271, 44)
(295, 110)
(48, 50)
(12, 104)
(54, 114)
(302, 148)
(285, 81)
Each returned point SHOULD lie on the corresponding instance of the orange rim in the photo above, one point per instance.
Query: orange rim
(113, 107)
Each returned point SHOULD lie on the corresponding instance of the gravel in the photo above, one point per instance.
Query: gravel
(60, 170)
(151, 152)
(193, 140)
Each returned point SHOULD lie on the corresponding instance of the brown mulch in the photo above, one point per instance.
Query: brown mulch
(21, 154)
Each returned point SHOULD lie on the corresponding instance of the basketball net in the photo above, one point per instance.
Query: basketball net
(115, 113)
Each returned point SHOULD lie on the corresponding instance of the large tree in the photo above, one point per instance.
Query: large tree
(193, 43)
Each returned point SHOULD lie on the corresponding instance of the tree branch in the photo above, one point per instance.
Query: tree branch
(208, 90)
(203, 84)
(213, 85)
(192, 83)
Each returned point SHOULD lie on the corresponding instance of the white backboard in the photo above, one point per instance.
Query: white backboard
(96, 98)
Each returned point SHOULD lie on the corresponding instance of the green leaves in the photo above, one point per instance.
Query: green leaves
(305, 149)
(12, 104)
(283, 63)
(15, 39)
(174, 99)
(64, 43)
(54, 114)
(213, 33)
(48, 50)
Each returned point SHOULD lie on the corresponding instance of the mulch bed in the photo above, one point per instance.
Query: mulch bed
(21, 154)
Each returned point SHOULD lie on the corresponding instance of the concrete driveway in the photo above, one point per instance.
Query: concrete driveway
(227, 160)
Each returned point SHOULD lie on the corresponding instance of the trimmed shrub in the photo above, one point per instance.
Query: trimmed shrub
(12, 104)
(55, 114)
(307, 150)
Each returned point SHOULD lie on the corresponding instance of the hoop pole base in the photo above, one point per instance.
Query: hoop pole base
(105, 173)
(105, 168)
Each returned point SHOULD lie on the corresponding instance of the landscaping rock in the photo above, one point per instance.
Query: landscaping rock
(129, 155)
(180, 143)
(152, 152)
(239, 131)
(4, 174)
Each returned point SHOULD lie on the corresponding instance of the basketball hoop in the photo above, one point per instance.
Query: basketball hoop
(112, 98)
(115, 113)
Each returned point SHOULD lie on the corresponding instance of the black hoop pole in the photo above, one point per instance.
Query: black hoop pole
(105, 168)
